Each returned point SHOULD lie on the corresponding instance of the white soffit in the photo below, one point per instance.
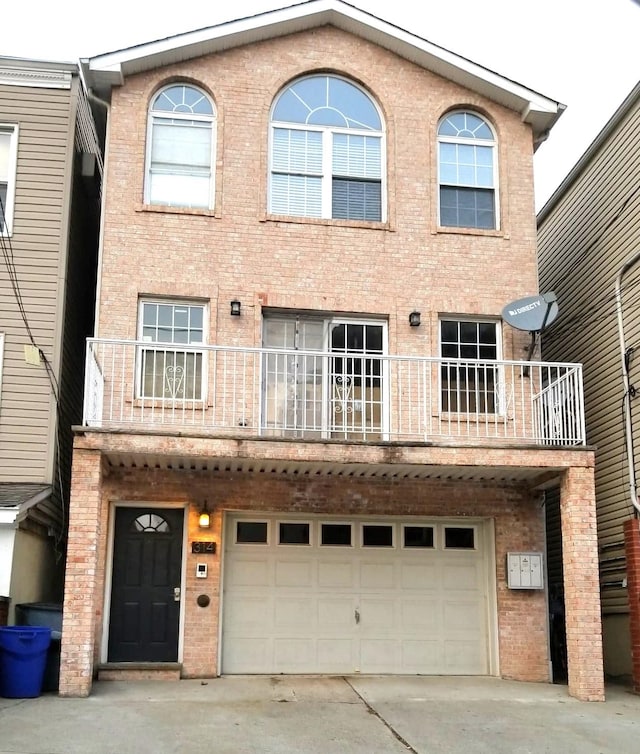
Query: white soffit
(104, 71)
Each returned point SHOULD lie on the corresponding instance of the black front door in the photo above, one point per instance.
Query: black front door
(145, 592)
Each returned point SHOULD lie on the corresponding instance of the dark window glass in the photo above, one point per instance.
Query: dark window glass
(418, 536)
(377, 535)
(467, 208)
(460, 538)
(251, 532)
(336, 534)
(356, 200)
(294, 534)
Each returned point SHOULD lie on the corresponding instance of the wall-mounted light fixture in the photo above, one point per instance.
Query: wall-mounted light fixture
(235, 308)
(204, 520)
(414, 319)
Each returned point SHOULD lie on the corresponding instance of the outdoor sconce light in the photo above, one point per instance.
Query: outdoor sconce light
(235, 308)
(204, 520)
(414, 319)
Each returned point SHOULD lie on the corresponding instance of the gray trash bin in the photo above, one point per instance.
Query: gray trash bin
(47, 614)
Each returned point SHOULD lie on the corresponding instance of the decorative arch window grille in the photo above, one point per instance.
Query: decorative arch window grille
(152, 523)
(467, 172)
(327, 151)
(181, 148)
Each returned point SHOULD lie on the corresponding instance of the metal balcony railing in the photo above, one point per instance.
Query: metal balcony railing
(329, 395)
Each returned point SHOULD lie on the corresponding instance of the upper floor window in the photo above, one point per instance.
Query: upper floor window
(171, 367)
(327, 151)
(180, 151)
(467, 172)
(469, 380)
(8, 151)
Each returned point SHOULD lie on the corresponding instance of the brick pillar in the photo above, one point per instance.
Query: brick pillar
(632, 551)
(80, 593)
(581, 585)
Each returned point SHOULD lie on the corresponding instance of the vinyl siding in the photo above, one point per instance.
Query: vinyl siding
(583, 240)
(46, 129)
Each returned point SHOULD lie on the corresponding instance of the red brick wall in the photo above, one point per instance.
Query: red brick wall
(632, 551)
(522, 616)
(237, 251)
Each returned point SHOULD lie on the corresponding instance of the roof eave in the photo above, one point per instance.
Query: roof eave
(104, 72)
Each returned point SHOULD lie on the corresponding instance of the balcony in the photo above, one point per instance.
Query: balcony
(348, 397)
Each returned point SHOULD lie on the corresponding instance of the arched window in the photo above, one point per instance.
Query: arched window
(180, 152)
(327, 151)
(467, 172)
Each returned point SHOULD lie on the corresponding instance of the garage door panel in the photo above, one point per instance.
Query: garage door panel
(423, 576)
(329, 609)
(376, 614)
(421, 615)
(336, 573)
(461, 616)
(293, 573)
(294, 612)
(335, 612)
(379, 655)
(250, 572)
(460, 576)
(247, 612)
(377, 575)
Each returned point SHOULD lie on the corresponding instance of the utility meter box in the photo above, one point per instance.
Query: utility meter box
(524, 570)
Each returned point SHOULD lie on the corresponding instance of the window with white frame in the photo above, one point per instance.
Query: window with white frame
(180, 148)
(468, 378)
(8, 152)
(171, 367)
(467, 172)
(1, 360)
(327, 151)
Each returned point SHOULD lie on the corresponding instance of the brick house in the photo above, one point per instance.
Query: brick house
(310, 445)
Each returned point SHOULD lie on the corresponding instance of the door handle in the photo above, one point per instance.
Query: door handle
(176, 594)
(357, 615)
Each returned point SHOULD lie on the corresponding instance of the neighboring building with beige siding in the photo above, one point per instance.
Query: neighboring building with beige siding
(50, 168)
(587, 231)
(310, 444)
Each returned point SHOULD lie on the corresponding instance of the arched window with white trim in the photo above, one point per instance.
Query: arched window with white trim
(181, 148)
(467, 172)
(327, 151)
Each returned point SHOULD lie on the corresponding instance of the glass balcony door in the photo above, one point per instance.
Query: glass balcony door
(338, 393)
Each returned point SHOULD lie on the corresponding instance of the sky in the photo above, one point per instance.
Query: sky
(582, 53)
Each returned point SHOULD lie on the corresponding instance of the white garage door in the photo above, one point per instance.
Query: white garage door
(322, 595)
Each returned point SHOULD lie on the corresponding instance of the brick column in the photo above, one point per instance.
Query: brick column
(582, 585)
(78, 626)
(632, 551)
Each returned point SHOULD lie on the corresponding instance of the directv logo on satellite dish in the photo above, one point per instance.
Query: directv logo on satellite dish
(532, 313)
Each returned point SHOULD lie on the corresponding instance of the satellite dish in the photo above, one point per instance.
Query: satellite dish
(532, 313)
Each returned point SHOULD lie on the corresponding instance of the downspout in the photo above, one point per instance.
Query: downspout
(625, 378)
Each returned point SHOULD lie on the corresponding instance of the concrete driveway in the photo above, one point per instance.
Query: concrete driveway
(303, 715)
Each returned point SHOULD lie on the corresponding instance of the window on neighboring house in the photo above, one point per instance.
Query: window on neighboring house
(470, 383)
(327, 151)
(180, 151)
(1, 360)
(172, 368)
(467, 172)
(8, 151)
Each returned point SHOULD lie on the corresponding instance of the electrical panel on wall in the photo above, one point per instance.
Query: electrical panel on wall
(524, 570)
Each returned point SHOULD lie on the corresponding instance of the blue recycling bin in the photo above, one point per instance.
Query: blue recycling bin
(23, 657)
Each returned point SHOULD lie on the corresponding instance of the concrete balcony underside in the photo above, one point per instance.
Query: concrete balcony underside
(533, 465)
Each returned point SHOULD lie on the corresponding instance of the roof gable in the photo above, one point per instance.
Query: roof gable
(111, 69)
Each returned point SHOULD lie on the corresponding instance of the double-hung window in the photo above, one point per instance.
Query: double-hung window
(467, 172)
(8, 151)
(171, 366)
(469, 380)
(327, 152)
(180, 151)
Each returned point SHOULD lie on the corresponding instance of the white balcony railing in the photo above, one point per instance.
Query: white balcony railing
(320, 395)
